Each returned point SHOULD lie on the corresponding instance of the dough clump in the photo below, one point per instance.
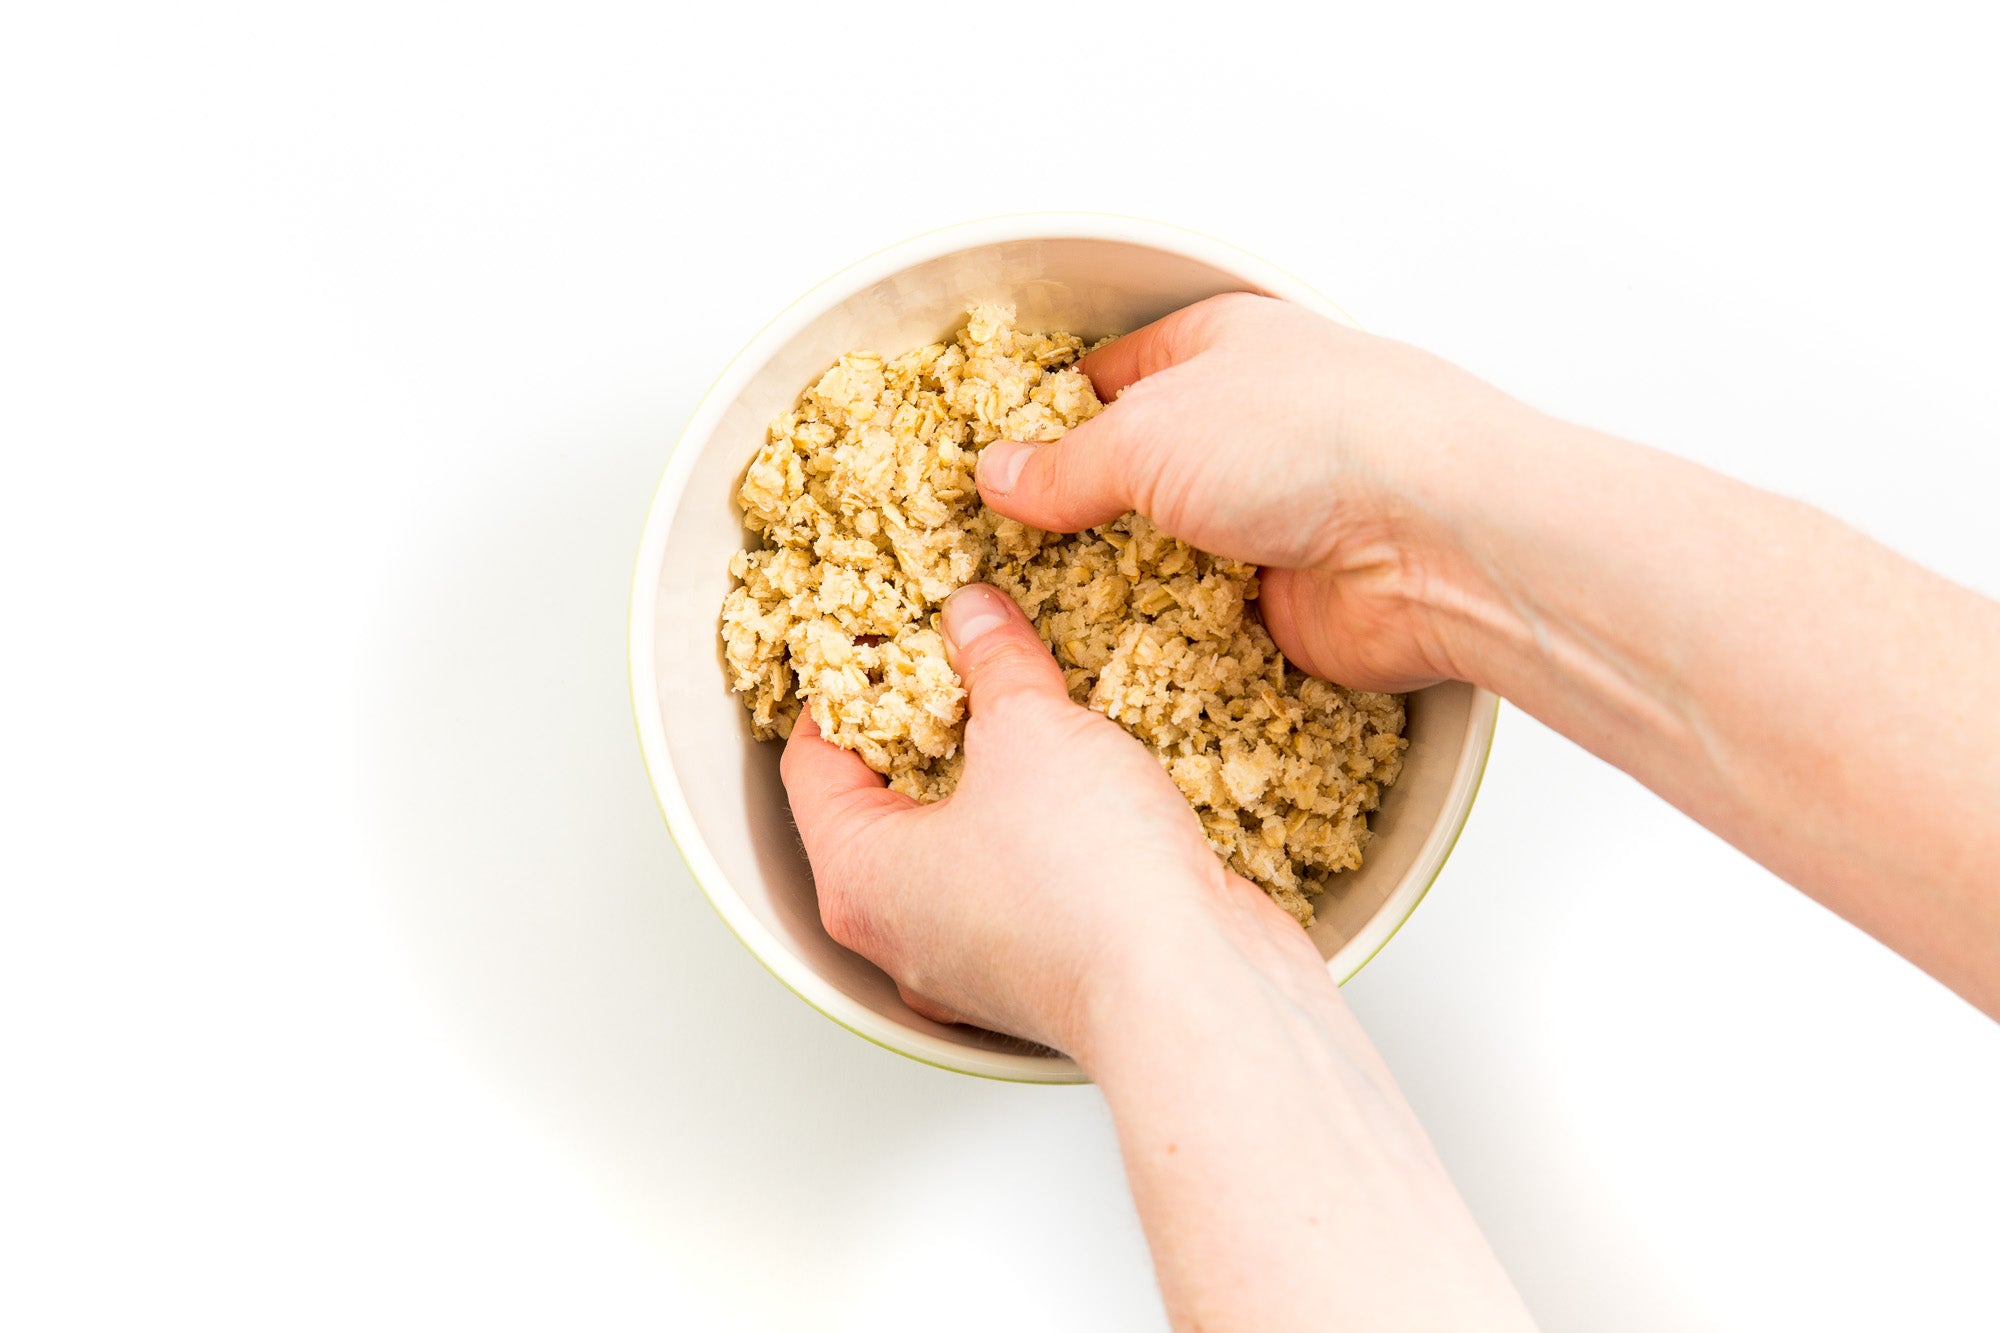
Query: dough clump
(867, 516)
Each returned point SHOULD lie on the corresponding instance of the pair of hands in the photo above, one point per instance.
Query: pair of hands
(1413, 524)
(1244, 426)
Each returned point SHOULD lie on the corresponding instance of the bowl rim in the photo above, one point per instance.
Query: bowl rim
(650, 725)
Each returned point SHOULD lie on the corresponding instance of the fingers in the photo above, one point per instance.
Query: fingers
(1105, 467)
(1312, 627)
(868, 844)
(1165, 342)
(1089, 476)
(1282, 596)
(996, 651)
(834, 794)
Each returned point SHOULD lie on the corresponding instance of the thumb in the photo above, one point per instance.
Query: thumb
(996, 651)
(1075, 483)
(1105, 467)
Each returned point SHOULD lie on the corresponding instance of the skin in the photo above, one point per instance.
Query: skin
(1414, 524)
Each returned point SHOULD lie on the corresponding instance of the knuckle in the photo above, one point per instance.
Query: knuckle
(1205, 318)
(1094, 464)
(1009, 664)
(1138, 409)
(1221, 316)
(1238, 305)
(1134, 454)
(1010, 708)
(1068, 482)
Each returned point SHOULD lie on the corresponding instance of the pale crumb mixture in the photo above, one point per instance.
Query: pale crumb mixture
(864, 499)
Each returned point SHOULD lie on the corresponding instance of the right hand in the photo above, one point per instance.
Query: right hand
(1017, 903)
(1258, 430)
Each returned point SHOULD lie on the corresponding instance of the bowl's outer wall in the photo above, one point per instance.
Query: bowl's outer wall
(720, 788)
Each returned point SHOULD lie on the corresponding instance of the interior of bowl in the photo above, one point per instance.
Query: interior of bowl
(1090, 285)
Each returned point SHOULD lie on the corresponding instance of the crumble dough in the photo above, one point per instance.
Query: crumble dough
(864, 500)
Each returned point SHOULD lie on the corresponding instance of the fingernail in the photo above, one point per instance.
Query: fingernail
(1000, 465)
(970, 613)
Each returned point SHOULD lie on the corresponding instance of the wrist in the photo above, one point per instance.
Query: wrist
(1482, 491)
(1218, 943)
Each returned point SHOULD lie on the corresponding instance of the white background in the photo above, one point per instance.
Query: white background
(347, 974)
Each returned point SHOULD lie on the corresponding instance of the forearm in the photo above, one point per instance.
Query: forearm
(1282, 1180)
(1812, 697)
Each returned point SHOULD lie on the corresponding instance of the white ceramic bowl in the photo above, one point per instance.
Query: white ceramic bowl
(1086, 273)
